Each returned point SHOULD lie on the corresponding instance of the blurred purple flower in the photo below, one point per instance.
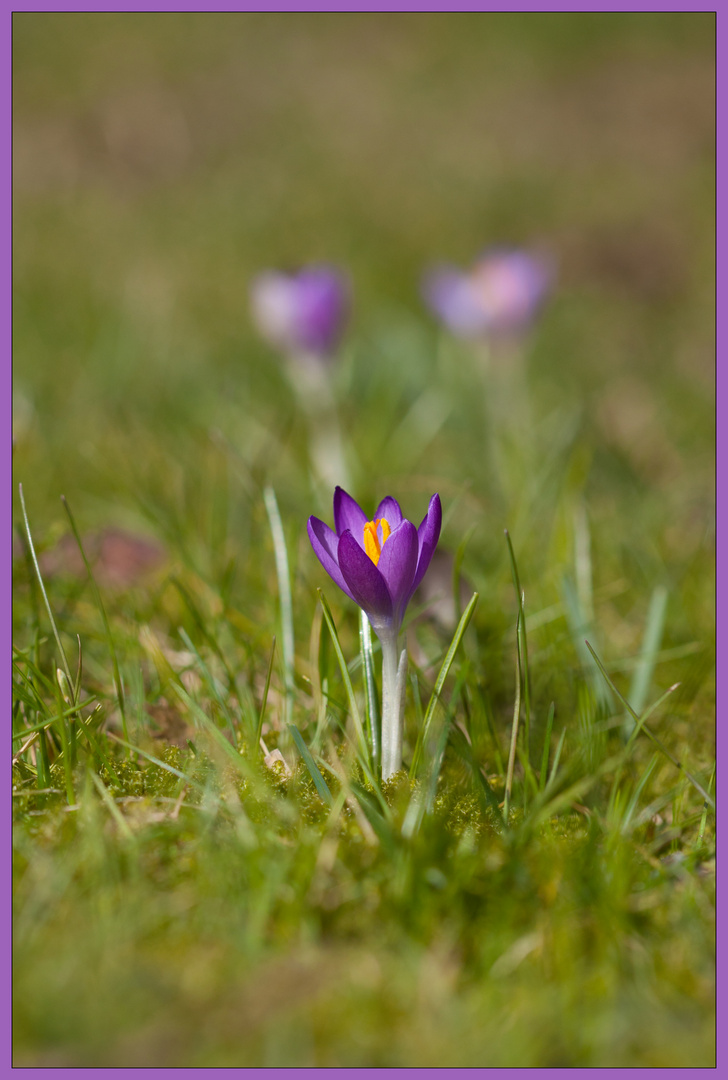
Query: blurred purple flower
(377, 563)
(304, 312)
(500, 295)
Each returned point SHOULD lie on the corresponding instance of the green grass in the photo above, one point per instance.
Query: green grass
(178, 900)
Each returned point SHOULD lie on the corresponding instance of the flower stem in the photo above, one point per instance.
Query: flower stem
(312, 380)
(394, 665)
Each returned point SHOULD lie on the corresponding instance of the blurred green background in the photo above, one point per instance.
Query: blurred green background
(160, 162)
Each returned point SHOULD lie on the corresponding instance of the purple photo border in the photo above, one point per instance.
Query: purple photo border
(368, 5)
(721, 462)
(6, 369)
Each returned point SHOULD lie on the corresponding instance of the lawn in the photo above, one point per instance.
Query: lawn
(187, 894)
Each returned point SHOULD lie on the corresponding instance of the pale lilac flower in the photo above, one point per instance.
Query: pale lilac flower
(500, 295)
(302, 313)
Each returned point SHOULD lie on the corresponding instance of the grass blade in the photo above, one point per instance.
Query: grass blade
(353, 707)
(583, 562)
(557, 757)
(565, 799)
(210, 681)
(632, 805)
(464, 751)
(442, 744)
(514, 729)
(641, 726)
(158, 762)
(63, 730)
(112, 807)
(640, 685)
(321, 786)
(201, 624)
(579, 626)
(79, 670)
(704, 816)
(444, 670)
(522, 645)
(488, 713)
(422, 803)
(65, 714)
(546, 747)
(379, 823)
(34, 557)
(207, 725)
(264, 702)
(284, 590)
(104, 619)
(648, 713)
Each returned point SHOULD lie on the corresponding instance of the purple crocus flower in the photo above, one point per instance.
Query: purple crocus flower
(302, 313)
(500, 295)
(379, 563)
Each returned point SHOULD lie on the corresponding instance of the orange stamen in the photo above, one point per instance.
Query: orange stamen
(372, 546)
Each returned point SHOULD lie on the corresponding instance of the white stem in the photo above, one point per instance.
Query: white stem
(312, 379)
(394, 668)
(327, 453)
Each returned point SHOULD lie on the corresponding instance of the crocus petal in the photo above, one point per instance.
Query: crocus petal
(365, 583)
(389, 509)
(349, 515)
(428, 534)
(501, 294)
(301, 313)
(325, 543)
(398, 565)
(511, 286)
(321, 306)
